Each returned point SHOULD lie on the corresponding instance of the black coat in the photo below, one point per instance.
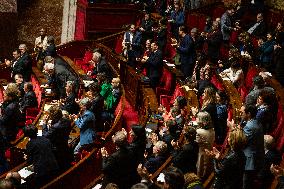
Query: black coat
(58, 134)
(186, 158)
(279, 64)
(10, 117)
(39, 152)
(154, 64)
(214, 41)
(97, 108)
(24, 66)
(70, 104)
(229, 171)
(102, 67)
(29, 101)
(51, 50)
(119, 168)
(260, 30)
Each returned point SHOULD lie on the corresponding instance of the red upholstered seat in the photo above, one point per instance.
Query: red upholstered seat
(118, 45)
(252, 72)
(243, 92)
(218, 12)
(278, 132)
(31, 114)
(254, 42)
(170, 52)
(217, 83)
(201, 22)
(192, 20)
(165, 83)
(167, 100)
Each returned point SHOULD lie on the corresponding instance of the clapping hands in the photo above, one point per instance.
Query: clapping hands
(213, 153)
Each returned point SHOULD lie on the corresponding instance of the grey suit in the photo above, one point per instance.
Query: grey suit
(226, 26)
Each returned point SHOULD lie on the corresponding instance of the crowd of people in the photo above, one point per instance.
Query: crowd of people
(193, 138)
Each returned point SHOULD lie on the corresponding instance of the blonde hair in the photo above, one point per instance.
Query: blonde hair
(210, 97)
(161, 146)
(237, 139)
(12, 90)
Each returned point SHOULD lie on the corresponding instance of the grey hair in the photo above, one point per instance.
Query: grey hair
(97, 54)
(85, 102)
(23, 46)
(70, 83)
(162, 147)
(205, 119)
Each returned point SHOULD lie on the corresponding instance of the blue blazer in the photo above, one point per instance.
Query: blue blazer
(254, 151)
(86, 124)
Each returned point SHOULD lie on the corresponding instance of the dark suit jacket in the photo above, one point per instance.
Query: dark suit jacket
(214, 41)
(154, 163)
(9, 119)
(119, 168)
(260, 30)
(102, 67)
(70, 105)
(148, 33)
(58, 134)
(186, 158)
(97, 108)
(187, 55)
(29, 101)
(155, 64)
(51, 50)
(24, 66)
(39, 152)
(229, 171)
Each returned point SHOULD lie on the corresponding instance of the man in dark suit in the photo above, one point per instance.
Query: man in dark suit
(100, 64)
(40, 157)
(154, 65)
(259, 28)
(186, 51)
(146, 28)
(13, 64)
(58, 134)
(119, 167)
(24, 63)
(29, 100)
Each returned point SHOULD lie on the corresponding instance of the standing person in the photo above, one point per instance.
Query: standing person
(51, 48)
(254, 150)
(146, 28)
(119, 167)
(86, 123)
(19, 80)
(40, 157)
(227, 24)
(29, 100)
(214, 40)
(279, 58)
(177, 20)
(41, 41)
(26, 62)
(58, 134)
(185, 157)
(68, 103)
(15, 64)
(229, 170)
(205, 136)
(266, 49)
(154, 65)
(186, 51)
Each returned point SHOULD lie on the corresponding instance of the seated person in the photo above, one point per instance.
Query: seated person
(158, 157)
(20, 82)
(97, 103)
(271, 157)
(85, 121)
(106, 92)
(119, 167)
(116, 90)
(40, 157)
(169, 133)
(68, 104)
(10, 114)
(185, 155)
(100, 65)
(29, 100)
(58, 133)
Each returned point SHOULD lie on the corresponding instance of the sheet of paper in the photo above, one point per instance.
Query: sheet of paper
(24, 174)
(171, 65)
(47, 106)
(39, 133)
